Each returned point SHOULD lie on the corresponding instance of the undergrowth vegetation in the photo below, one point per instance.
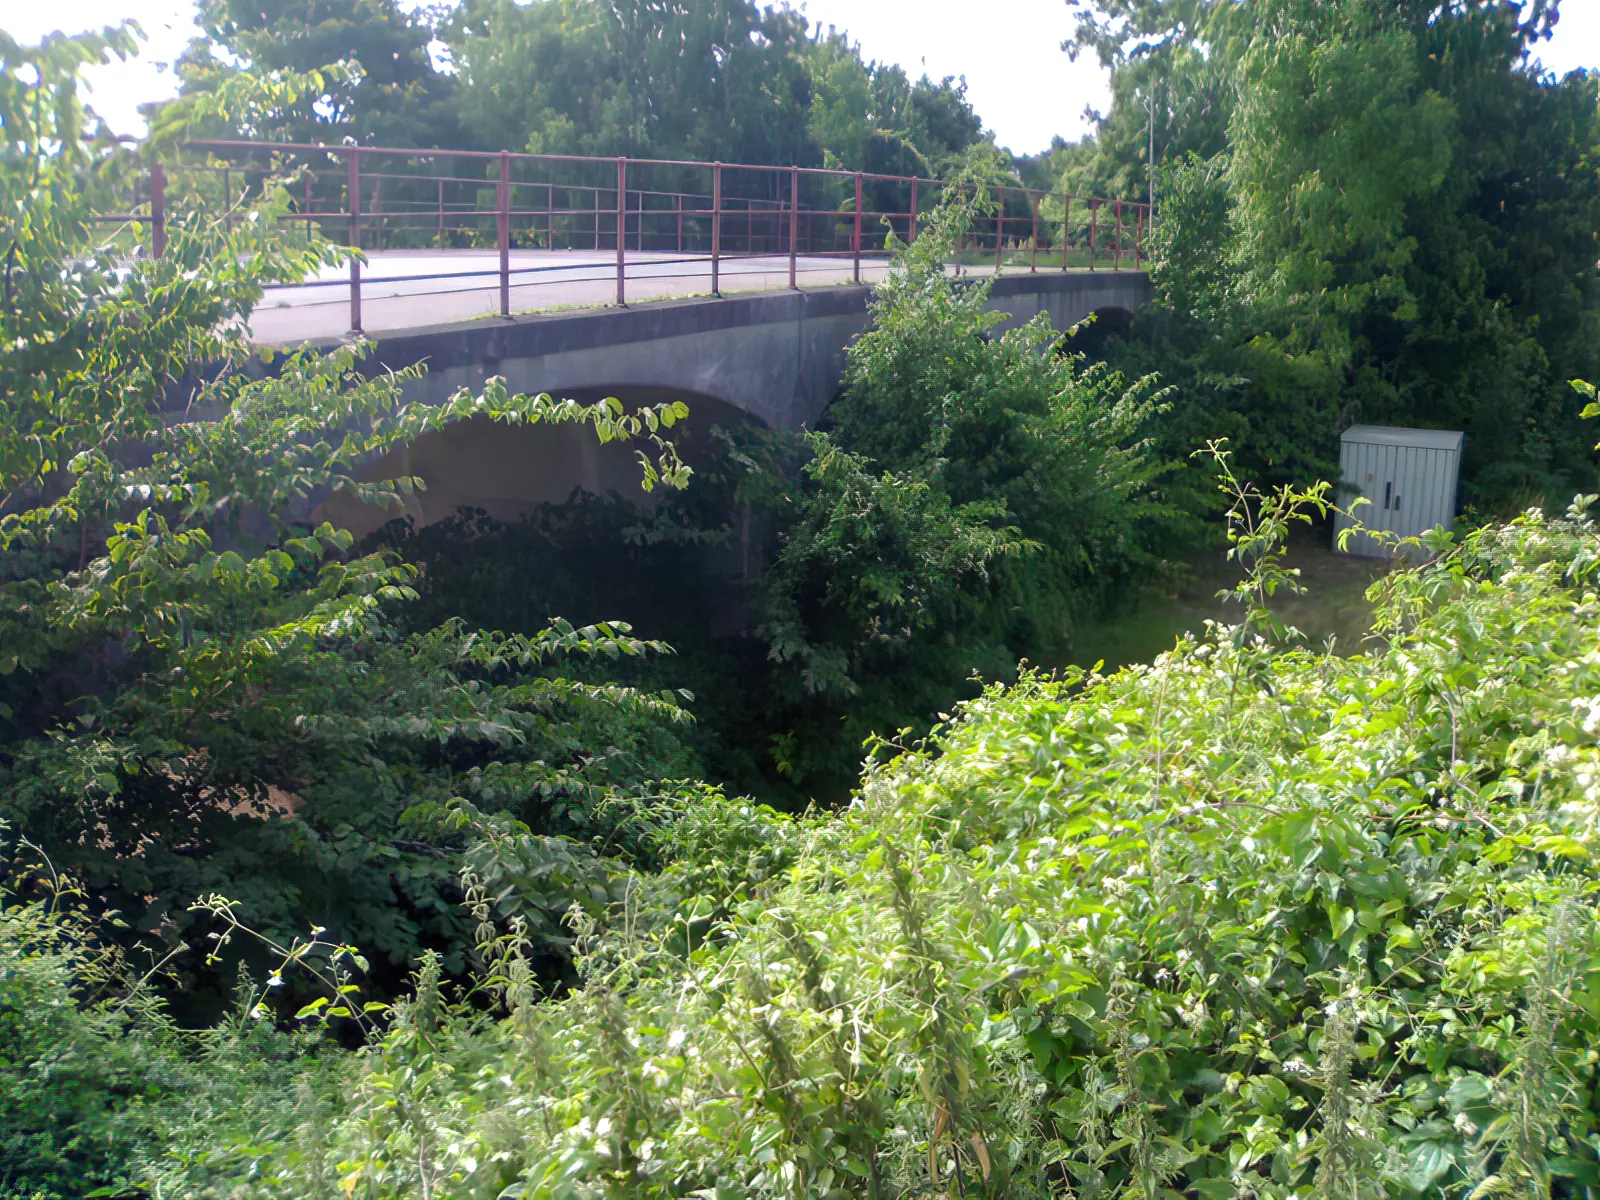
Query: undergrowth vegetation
(1249, 921)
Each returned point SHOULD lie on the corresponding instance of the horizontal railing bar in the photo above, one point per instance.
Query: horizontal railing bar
(635, 163)
(606, 272)
(379, 280)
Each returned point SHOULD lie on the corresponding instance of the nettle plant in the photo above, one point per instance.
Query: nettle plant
(202, 689)
(1252, 920)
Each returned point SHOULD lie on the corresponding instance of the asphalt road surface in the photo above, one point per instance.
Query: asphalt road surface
(411, 289)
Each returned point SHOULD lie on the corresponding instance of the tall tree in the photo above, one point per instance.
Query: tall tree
(977, 494)
(1407, 206)
(704, 79)
(202, 687)
(394, 96)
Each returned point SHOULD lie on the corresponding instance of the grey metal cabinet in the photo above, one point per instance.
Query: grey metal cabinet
(1408, 477)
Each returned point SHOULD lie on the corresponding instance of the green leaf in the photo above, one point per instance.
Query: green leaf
(1428, 1162)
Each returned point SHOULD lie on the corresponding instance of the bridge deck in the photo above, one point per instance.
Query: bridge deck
(408, 289)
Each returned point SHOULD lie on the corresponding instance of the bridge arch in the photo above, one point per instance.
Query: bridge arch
(1109, 321)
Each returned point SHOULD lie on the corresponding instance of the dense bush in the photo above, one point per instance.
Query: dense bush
(980, 491)
(1251, 920)
(95, 1076)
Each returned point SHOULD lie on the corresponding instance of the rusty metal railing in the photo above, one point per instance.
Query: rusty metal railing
(636, 220)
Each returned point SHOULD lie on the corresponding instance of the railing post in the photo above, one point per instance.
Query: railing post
(961, 252)
(1094, 224)
(1066, 226)
(158, 209)
(439, 238)
(716, 227)
(597, 219)
(678, 203)
(1138, 234)
(912, 231)
(1033, 265)
(794, 222)
(856, 238)
(999, 229)
(504, 199)
(1116, 264)
(622, 229)
(353, 166)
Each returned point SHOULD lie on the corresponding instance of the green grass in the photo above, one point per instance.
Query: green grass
(1335, 606)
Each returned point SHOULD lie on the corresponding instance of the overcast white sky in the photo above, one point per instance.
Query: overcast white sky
(1009, 50)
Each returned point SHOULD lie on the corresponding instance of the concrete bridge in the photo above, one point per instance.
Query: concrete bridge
(775, 358)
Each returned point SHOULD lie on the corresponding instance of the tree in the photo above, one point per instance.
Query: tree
(202, 687)
(1171, 95)
(393, 95)
(978, 492)
(706, 79)
(1404, 196)
(1333, 140)
(699, 79)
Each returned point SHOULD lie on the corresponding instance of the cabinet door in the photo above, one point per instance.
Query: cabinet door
(1387, 488)
(1403, 503)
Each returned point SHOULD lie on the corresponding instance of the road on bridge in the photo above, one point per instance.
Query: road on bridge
(411, 289)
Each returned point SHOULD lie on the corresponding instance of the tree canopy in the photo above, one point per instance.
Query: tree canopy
(701, 79)
(1373, 211)
(393, 93)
